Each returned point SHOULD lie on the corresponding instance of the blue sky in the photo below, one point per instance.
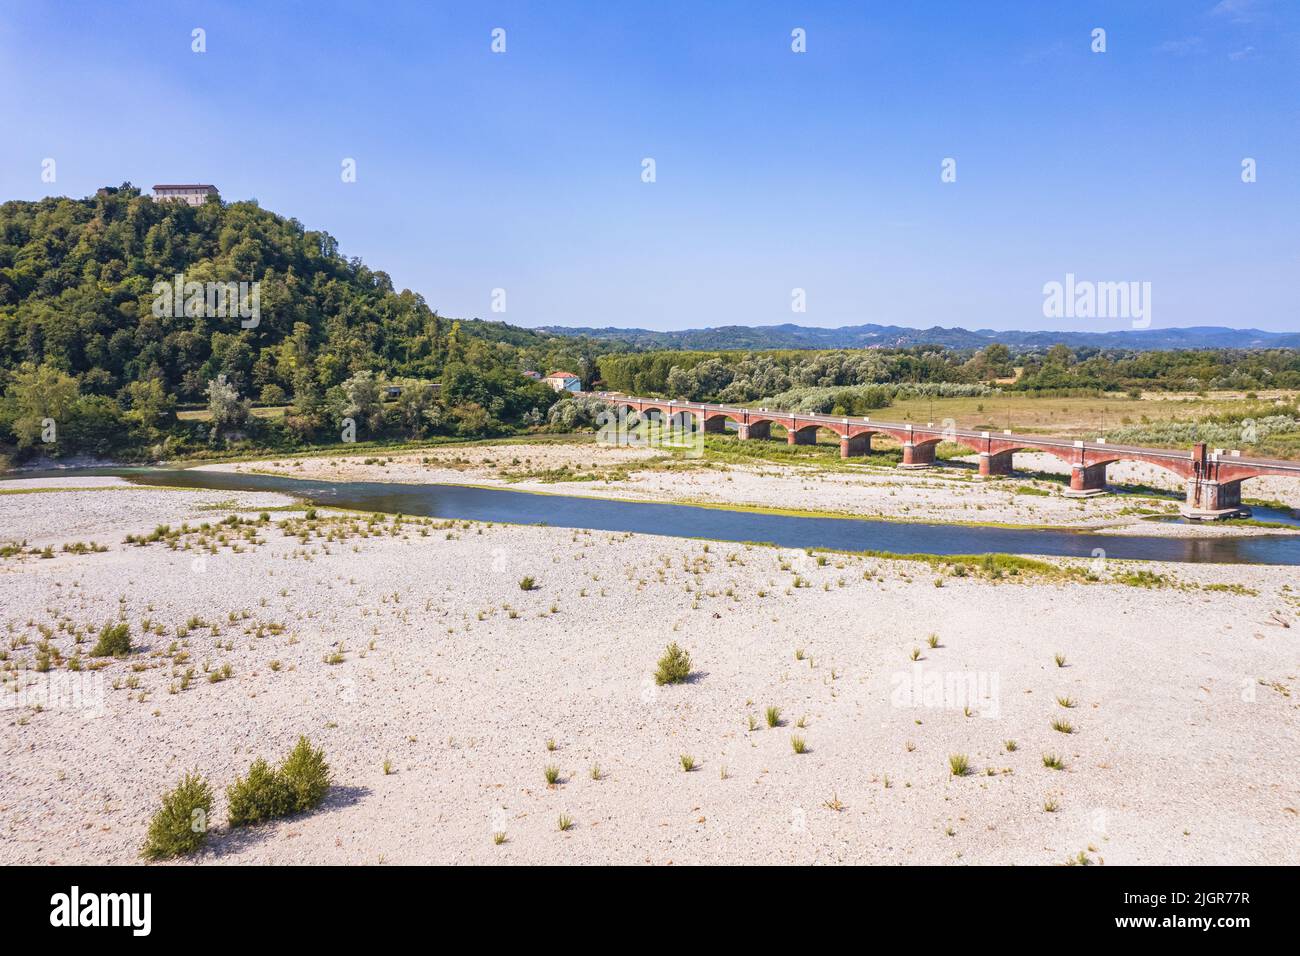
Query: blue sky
(774, 170)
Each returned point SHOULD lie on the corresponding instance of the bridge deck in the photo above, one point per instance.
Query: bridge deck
(861, 424)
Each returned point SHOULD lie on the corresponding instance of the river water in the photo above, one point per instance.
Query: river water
(849, 534)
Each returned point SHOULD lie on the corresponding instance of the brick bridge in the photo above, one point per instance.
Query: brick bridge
(1213, 478)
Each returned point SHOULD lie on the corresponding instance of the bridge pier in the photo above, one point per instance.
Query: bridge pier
(1087, 481)
(1209, 500)
(857, 445)
(918, 456)
(715, 425)
(756, 430)
(801, 436)
(996, 464)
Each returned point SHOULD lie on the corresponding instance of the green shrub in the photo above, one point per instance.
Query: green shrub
(674, 666)
(307, 775)
(262, 795)
(114, 640)
(181, 824)
(296, 786)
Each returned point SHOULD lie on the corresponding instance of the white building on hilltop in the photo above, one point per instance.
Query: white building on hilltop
(194, 194)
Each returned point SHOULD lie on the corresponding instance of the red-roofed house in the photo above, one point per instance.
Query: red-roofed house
(564, 382)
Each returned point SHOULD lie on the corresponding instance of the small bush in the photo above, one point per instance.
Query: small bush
(296, 786)
(527, 584)
(773, 716)
(674, 666)
(262, 795)
(959, 765)
(307, 776)
(181, 824)
(114, 640)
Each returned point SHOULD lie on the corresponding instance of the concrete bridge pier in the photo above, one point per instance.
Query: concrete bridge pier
(1087, 481)
(918, 456)
(996, 464)
(857, 445)
(756, 430)
(1209, 500)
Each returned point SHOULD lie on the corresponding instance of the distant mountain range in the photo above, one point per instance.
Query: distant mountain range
(895, 336)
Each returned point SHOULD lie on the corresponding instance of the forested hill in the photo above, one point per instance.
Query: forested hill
(76, 281)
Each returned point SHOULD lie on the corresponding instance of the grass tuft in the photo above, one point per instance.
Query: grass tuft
(114, 640)
(674, 667)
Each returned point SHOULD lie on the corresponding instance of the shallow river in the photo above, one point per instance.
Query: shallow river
(850, 534)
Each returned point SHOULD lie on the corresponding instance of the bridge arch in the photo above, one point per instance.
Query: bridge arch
(796, 434)
(715, 422)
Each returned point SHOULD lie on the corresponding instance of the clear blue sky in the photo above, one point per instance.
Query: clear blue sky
(775, 170)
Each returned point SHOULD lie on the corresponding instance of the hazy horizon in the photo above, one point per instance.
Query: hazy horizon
(775, 170)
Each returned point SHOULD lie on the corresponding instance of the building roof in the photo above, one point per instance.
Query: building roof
(561, 375)
(184, 186)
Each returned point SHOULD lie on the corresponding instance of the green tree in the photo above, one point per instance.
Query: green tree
(363, 400)
(229, 412)
(151, 407)
(39, 401)
(418, 408)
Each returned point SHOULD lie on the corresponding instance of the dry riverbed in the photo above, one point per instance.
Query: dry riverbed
(411, 648)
